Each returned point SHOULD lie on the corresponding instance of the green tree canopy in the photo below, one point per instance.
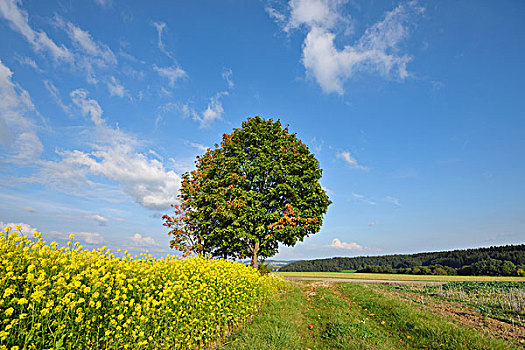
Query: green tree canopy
(258, 188)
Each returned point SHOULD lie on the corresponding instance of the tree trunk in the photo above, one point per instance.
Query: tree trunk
(255, 260)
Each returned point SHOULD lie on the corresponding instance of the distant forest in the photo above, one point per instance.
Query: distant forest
(504, 260)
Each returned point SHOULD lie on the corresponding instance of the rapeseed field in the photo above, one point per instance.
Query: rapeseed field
(69, 297)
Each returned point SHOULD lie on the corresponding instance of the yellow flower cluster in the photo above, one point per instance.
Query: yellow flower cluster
(53, 297)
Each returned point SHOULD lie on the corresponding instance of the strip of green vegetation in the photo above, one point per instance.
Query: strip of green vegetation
(490, 287)
(456, 259)
(399, 277)
(341, 324)
(279, 325)
(352, 316)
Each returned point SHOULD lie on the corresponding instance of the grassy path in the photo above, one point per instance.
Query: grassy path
(353, 316)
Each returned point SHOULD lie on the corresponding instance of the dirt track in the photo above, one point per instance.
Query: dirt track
(360, 281)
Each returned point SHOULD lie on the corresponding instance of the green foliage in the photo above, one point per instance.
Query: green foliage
(490, 267)
(494, 286)
(430, 270)
(258, 188)
(448, 260)
(264, 268)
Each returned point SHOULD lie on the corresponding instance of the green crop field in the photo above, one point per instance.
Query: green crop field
(398, 277)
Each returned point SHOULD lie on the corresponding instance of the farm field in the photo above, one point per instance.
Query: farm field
(326, 315)
(399, 277)
(72, 298)
(69, 297)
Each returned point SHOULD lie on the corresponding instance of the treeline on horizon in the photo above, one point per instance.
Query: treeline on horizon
(506, 260)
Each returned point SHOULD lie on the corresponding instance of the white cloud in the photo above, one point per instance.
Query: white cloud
(196, 145)
(130, 57)
(143, 241)
(86, 44)
(104, 3)
(100, 219)
(17, 133)
(316, 145)
(227, 74)
(90, 55)
(29, 146)
(175, 72)
(26, 228)
(30, 209)
(82, 237)
(363, 199)
(87, 106)
(89, 237)
(277, 16)
(115, 88)
(373, 223)
(19, 21)
(376, 51)
(28, 62)
(144, 179)
(115, 156)
(350, 161)
(392, 200)
(336, 243)
(313, 13)
(160, 26)
(172, 73)
(212, 113)
(56, 96)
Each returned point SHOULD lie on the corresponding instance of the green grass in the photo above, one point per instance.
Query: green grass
(353, 316)
(277, 326)
(399, 277)
(415, 326)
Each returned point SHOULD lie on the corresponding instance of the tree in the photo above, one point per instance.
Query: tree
(258, 188)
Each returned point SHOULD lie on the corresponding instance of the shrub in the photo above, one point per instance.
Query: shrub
(264, 268)
(439, 271)
(490, 267)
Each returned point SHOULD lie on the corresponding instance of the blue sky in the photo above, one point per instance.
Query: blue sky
(414, 109)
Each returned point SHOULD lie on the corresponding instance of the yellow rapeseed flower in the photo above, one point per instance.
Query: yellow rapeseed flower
(128, 299)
